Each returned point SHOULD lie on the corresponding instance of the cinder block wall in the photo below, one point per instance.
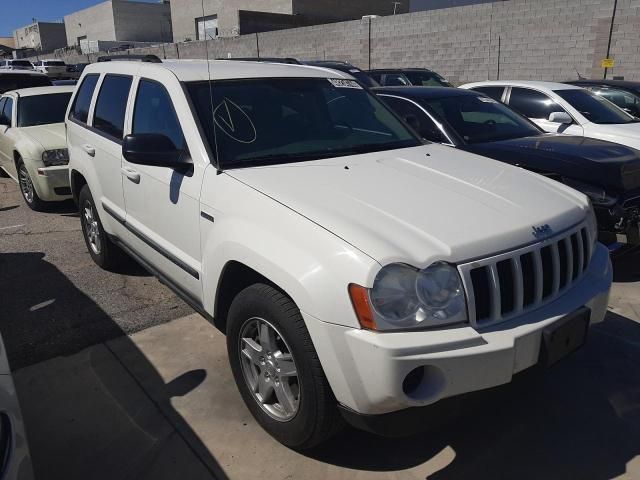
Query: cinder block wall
(535, 39)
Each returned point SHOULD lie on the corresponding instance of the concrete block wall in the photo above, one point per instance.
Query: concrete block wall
(538, 40)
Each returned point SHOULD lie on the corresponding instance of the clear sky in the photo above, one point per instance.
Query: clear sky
(17, 13)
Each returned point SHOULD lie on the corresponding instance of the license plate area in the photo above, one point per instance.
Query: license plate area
(564, 336)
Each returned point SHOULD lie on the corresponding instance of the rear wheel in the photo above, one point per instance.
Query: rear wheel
(27, 189)
(103, 251)
(277, 370)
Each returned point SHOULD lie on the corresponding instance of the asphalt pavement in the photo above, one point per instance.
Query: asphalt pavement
(55, 300)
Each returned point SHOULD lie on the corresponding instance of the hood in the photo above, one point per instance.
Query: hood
(589, 160)
(421, 204)
(627, 133)
(51, 136)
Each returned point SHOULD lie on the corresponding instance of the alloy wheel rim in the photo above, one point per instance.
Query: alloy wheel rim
(92, 230)
(26, 185)
(269, 369)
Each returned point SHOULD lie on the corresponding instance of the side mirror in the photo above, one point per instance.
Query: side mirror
(560, 117)
(155, 150)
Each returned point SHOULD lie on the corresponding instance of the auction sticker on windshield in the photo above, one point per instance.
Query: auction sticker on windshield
(342, 83)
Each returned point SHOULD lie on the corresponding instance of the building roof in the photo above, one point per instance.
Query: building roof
(522, 83)
(198, 70)
(30, 92)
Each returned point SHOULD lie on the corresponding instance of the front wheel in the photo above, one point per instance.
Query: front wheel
(277, 370)
(27, 189)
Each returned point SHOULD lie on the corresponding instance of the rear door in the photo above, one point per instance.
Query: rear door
(163, 204)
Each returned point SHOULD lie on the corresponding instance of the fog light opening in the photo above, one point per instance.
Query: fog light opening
(423, 383)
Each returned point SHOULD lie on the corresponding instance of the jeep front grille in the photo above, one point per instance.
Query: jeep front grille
(510, 284)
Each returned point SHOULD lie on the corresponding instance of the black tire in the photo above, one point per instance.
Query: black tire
(28, 190)
(317, 417)
(108, 256)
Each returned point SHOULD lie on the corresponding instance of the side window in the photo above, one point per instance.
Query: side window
(7, 111)
(111, 105)
(415, 118)
(395, 80)
(376, 76)
(154, 113)
(493, 92)
(80, 109)
(532, 104)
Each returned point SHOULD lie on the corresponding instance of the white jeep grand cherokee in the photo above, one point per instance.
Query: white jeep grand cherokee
(354, 269)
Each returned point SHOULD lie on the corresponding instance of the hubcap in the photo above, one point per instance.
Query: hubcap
(92, 231)
(269, 369)
(25, 184)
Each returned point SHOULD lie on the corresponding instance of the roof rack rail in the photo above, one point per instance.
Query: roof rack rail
(287, 60)
(125, 58)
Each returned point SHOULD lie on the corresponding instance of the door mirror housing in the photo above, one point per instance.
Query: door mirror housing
(560, 117)
(155, 150)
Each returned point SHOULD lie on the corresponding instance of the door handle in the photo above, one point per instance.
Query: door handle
(89, 150)
(131, 174)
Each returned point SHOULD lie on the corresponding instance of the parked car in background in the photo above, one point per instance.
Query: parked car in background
(33, 149)
(16, 65)
(354, 270)
(16, 79)
(562, 108)
(608, 173)
(15, 458)
(402, 77)
(625, 94)
(51, 68)
(75, 70)
(345, 67)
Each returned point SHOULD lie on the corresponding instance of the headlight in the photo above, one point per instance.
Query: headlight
(592, 226)
(404, 297)
(596, 194)
(52, 158)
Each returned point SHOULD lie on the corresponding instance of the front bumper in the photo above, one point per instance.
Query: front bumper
(51, 183)
(366, 369)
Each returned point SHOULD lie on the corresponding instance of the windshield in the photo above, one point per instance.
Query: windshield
(55, 63)
(479, 119)
(15, 81)
(42, 109)
(595, 108)
(426, 79)
(285, 120)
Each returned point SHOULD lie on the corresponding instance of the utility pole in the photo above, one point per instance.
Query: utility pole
(613, 18)
(395, 7)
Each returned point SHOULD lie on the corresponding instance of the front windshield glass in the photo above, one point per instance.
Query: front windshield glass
(283, 120)
(21, 63)
(595, 108)
(479, 119)
(42, 109)
(426, 79)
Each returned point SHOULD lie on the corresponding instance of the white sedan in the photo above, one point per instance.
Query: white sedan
(561, 108)
(33, 147)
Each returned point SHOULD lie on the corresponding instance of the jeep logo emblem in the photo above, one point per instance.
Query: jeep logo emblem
(542, 232)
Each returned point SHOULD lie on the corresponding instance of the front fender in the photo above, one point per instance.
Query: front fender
(312, 265)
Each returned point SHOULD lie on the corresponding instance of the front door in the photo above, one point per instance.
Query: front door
(163, 204)
(538, 107)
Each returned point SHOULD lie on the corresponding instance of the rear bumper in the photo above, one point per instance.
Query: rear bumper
(367, 369)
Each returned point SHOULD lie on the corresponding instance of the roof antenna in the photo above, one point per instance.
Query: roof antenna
(213, 121)
(580, 77)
